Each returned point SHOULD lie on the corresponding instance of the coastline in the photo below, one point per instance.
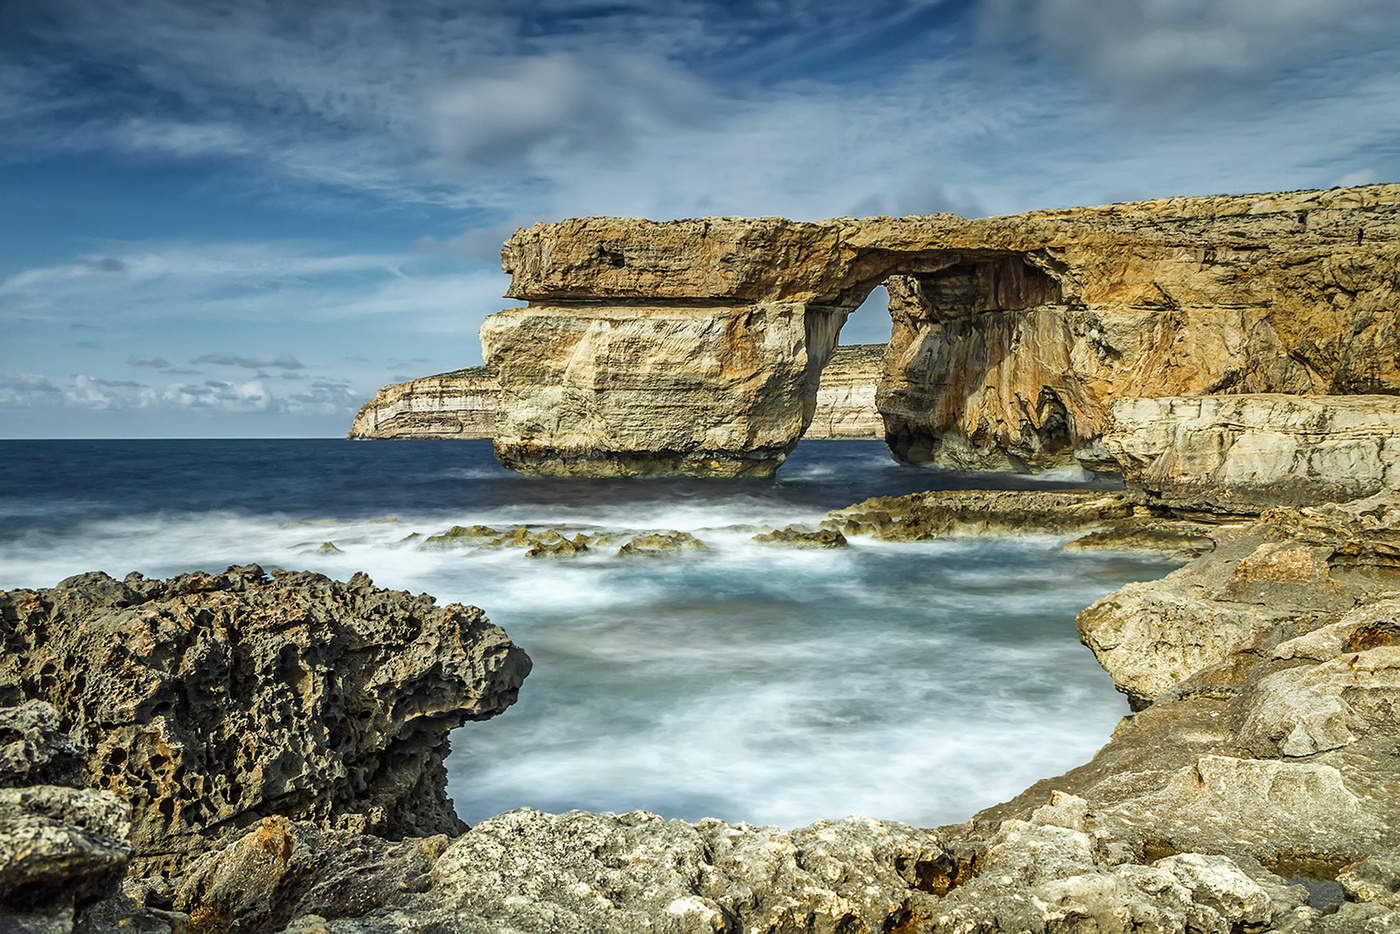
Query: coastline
(1211, 798)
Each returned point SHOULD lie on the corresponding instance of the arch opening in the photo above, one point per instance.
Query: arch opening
(960, 382)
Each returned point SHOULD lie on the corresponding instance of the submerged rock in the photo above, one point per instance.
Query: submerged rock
(209, 700)
(658, 544)
(558, 547)
(797, 536)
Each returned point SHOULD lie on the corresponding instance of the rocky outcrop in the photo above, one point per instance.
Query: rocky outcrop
(1245, 453)
(457, 405)
(62, 846)
(1252, 791)
(697, 346)
(208, 701)
(1292, 568)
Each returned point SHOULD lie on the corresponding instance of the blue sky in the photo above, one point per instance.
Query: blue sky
(241, 219)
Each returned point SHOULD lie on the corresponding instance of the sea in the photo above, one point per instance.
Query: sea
(917, 682)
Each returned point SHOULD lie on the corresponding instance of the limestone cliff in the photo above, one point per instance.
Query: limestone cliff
(697, 346)
(1243, 453)
(846, 398)
(460, 404)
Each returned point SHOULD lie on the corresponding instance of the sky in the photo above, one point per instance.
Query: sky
(226, 220)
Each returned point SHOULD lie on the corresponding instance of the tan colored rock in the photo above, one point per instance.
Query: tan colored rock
(1242, 453)
(846, 397)
(696, 346)
(457, 405)
(462, 405)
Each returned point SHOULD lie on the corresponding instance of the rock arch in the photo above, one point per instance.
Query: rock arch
(696, 346)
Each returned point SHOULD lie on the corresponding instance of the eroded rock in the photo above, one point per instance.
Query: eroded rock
(209, 700)
(1247, 452)
(697, 346)
(456, 405)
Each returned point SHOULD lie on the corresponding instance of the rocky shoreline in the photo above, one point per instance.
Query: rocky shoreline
(239, 752)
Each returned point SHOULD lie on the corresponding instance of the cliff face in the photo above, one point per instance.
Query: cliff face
(697, 346)
(846, 396)
(460, 404)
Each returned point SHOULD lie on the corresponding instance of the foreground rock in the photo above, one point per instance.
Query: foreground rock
(697, 346)
(1256, 788)
(462, 405)
(210, 700)
(1293, 568)
(457, 405)
(62, 847)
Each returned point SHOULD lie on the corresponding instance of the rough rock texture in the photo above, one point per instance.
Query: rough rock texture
(1257, 766)
(460, 404)
(1291, 568)
(696, 346)
(1243, 453)
(61, 846)
(846, 397)
(210, 700)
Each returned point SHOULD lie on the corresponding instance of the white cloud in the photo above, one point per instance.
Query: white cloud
(1171, 52)
(83, 391)
(282, 361)
(1359, 177)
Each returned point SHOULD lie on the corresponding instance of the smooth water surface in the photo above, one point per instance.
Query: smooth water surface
(917, 682)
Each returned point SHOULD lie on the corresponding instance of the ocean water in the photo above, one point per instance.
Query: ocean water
(914, 681)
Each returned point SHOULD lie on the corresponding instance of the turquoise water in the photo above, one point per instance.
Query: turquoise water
(917, 682)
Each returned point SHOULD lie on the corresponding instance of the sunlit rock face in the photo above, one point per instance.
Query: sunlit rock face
(456, 405)
(697, 346)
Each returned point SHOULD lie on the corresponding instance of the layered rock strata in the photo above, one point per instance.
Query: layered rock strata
(457, 405)
(846, 397)
(1245, 453)
(207, 701)
(462, 405)
(697, 346)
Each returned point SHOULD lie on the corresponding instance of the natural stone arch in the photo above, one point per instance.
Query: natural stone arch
(696, 346)
(943, 348)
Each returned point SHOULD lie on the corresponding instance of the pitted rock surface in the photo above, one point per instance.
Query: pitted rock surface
(208, 701)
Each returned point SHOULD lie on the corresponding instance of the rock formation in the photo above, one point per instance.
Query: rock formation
(462, 405)
(62, 846)
(1243, 453)
(697, 346)
(846, 398)
(209, 700)
(457, 405)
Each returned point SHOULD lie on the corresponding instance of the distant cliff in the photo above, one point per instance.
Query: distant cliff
(846, 397)
(462, 404)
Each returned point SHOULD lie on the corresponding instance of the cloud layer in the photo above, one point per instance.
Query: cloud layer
(263, 198)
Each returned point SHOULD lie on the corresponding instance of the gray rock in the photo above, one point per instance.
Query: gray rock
(34, 751)
(209, 700)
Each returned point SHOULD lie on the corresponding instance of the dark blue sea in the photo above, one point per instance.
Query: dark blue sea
(913, 681)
